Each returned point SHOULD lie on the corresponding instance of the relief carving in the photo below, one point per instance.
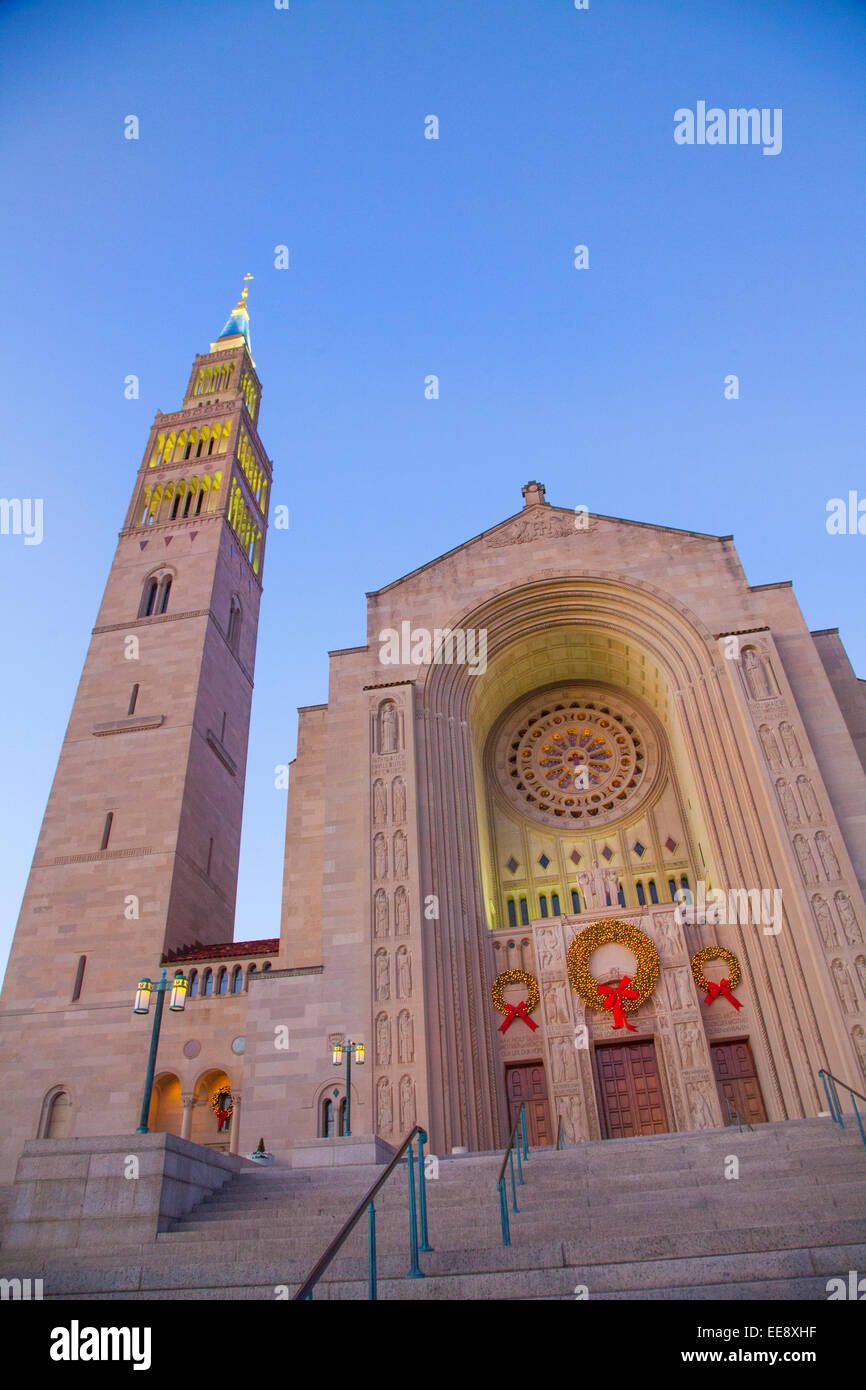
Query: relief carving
(826, 927)
(407, 1105)
(389, 732)
(381, 912)
(398, 800)
(700, 1106)
(562, 1059)
(383, 1041)
(401, 855)
(405, 1037)
(806, 860)
(380, 803)
(549, 954)
(828, 855)
(758, 679)
(556, 1003)
(853, 934)
(792, 747)
(384, 1106)
(680, 992)
(380, 857)
(383, 974)
(770, 746)
(808, 798)
(570, 1109)
(404, 973)
(858, 1037)
(539, 523)
(401, 911)
(788, 804)
(845, 987)
(689, 1039)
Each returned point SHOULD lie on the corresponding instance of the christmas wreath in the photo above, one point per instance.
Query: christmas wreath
(631, 992)
(525, 1007)
(223, 1113)
(724, 987)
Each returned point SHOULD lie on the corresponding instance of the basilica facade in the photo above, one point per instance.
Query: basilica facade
(581, 825)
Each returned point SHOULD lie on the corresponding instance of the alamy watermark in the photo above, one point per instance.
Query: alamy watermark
(738, 906)
(736, 126)
(22, 516)
(441, 646)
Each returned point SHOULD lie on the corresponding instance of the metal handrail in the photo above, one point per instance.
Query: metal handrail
(519, 1124)
(367, 1204)
(833, 1100)
(732, 1111)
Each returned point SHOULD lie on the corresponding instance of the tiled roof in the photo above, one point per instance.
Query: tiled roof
(224, 950)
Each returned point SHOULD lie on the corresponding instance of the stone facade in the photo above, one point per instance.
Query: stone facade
(692, 732)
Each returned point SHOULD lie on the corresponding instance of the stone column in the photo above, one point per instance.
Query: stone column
(188, 1098)
(235, 1132)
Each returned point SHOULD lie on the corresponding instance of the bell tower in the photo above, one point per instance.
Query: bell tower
(138, 850)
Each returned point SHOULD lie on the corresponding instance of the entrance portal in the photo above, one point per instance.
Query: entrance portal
(630, 1089)
(527, 1083)
(737, 1081)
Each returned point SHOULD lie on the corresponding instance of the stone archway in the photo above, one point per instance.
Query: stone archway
(166, 1106)
(643, 641)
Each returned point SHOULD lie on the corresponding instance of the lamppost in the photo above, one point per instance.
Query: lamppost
(348, 1048)
(177, 1000)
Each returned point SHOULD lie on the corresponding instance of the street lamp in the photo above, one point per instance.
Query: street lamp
(348, 1048)
(176, 1002)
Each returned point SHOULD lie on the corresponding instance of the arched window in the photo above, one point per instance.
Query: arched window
(250, 972)
(512, 913)
(207, 982)
(543, 901)
(641, 895)
(162, 596)
(79, 978)
(554, 904)
(326, 1126)
(187, 503)
(222, 981)
(266, 966)
(133, 699)
(237, 980)
(176, 503)
(148, 598)
(575, 900)
(672, 888)
(106, 830)
(193, 984)
(684, 882)
(341, 1128)
(58, 1118)
(524, 913)
(620, 897)
(653, 891)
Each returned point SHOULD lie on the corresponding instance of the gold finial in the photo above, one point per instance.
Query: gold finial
(242, 302)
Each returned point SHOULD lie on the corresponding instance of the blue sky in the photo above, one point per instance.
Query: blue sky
(305, 127)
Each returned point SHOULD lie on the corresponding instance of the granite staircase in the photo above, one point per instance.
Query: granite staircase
(646, 1218)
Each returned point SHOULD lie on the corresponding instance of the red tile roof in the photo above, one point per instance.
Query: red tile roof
(224, 950)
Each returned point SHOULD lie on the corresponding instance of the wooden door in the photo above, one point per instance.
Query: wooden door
(527, 1083)
(630, 1089)
(737, 1080)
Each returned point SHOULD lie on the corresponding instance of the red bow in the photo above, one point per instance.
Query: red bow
(222, 1116)
(723, 987)
(613, 1000)
(516, 1011)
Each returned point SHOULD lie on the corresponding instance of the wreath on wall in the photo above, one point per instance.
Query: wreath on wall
(222, 1112)
(726, 986)
(525, 1007)
(631, 992)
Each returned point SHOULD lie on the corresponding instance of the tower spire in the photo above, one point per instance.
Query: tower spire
(237, 324)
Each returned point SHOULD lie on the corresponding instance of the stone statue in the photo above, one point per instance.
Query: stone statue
(383, 1041)
(669, 932)
(384, 1106)
(401, 911)
(860, 967)
(859, 1039)
(547, 949)
(702, 1113)
(678, 992)
(853, 934)
(404, 974)
(789, 805)
(383, 975)
(689, 1038)
(380, 857)
(807, 862)
(401, 855)
(828, 856)
(398, 800)
(405, 1038)
(556, 1002)
(808, 798)
(757, 679)
(611, 884)
(571, 1111)
(770, 746)
(388, 734)
(824, 920)
(407, 1105)
(594, 886)
(381, 912)
(792, 747)
(562, 1058)
(380, 803)
(845, 988)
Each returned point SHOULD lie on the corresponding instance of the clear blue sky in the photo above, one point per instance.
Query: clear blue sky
(410, 256)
